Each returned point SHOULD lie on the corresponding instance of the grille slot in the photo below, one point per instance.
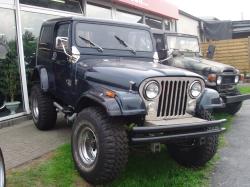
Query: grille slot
(173, 98)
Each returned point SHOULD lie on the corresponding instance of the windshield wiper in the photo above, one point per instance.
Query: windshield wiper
(122, 42)
(92, 43)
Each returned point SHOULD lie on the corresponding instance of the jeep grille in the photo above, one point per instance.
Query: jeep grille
(173, 98)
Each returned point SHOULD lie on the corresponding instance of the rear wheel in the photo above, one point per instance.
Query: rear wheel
(43, 112)
(196, 152)
(2, 170)
(99, 146)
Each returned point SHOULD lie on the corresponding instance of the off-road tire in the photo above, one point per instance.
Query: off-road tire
(46, 119)
(2, 170)
(112, 146)
(199, 154)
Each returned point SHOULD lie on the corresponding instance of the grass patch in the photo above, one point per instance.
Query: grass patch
(144, 169)
(244, 89)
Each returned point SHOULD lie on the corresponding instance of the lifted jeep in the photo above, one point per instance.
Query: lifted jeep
(183, 51)
(103, 77)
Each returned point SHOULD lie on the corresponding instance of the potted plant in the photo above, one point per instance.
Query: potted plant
(9, 78)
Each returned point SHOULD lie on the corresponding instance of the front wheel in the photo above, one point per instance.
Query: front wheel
(2, 170)
(196, 152)
(99, 146)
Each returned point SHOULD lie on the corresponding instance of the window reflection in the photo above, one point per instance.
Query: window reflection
(154, 23)
(10, 85)
(95, 11)
(65, 5)
(128, 17)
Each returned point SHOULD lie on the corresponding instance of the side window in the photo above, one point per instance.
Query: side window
(62, 37)
(45, 38)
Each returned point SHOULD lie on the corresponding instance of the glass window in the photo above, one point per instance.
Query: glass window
(95, 11)
(182, 43)
(63, 34)
(113, 37)
(167, 25)
(154, 23)
(10, 84)
(128, 17)
(65, 5)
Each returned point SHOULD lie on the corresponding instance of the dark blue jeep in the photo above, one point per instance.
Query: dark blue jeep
(103, 76)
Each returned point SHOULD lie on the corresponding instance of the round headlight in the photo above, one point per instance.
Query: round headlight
(237, 79)
(219, 80)
(152, 90)
(195, 89)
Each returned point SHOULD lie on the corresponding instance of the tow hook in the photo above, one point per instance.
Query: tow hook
(155, 147)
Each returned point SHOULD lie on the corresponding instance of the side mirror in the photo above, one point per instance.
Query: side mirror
(62, 43)
(2, 171)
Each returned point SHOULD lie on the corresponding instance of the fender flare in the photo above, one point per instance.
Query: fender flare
(109, 104)
(210, 99)
(42, 74)
(124, 104)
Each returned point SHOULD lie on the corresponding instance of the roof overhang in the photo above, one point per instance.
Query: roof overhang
(159, 7)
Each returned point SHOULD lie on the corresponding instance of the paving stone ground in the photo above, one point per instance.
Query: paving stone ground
(233, 168)
(23, 142)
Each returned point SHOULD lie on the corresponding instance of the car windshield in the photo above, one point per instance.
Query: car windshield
(185, 44)
(113, 37)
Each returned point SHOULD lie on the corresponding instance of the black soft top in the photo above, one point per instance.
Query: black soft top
(97, 21)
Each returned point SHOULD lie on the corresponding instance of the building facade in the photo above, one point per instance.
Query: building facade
(21, 21)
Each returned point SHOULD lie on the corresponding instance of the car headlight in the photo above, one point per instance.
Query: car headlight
(195, 89)
(237, 79)
(152, 90)
(219, 80)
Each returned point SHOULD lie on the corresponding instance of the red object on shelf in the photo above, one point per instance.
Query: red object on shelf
(159, 7)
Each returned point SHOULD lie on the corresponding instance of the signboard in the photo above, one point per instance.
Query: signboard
(160, 7)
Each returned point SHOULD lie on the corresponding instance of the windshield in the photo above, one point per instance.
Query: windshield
(113, 37)
(185, 44)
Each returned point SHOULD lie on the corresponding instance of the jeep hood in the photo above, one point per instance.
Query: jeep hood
(119, 72)
(200, 66)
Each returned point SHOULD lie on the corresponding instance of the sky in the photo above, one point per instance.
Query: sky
(221, 9)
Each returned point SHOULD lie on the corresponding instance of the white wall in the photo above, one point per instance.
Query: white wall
(187, 25)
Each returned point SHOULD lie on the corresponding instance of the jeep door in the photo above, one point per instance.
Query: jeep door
(62, 66)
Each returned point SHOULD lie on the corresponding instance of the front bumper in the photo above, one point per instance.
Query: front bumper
(156, 132)
(236, 98)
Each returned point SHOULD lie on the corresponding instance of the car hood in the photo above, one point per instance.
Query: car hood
(119, 72)
(200, 65)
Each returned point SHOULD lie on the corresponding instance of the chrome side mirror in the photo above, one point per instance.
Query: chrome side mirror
(62, 43)
(2, 171)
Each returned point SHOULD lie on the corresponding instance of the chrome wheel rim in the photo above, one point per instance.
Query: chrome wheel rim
(35, 108)
(87, 146)
(2, 172)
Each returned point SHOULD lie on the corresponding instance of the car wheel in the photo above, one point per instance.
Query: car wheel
(43, 112)
(195, 152)
(99, 146)
(2, 170)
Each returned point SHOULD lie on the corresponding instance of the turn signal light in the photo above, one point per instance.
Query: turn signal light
(211, 77)
(110, 94)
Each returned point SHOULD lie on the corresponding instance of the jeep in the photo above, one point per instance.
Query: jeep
(103, 76)
(183, 51)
